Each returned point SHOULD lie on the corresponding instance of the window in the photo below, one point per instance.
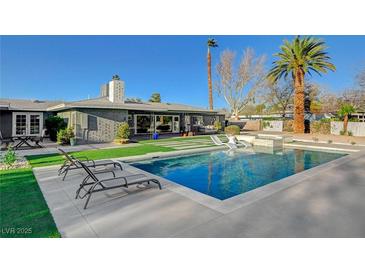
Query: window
(163, 123)
(197, 120)
(92, 122)
(35, 124)
(21, 124)
(144, 124)
(27, 123)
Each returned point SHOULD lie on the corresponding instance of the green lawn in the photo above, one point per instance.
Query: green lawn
(23, 210)
(96, 154)
(178, 139)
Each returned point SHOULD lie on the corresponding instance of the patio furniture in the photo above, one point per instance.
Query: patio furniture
(6, 141)
(97, 185)
(72, 163)
(39, 139)
(238, 141)
(218, 142)
(24, 141)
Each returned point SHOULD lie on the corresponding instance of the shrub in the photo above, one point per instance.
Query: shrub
(354, 119)
(322, 126)
(53, 125)
(349, 133)
(353, 143)
(288, 125)
(9, 157)
(232, 130)
(324, 120)
(336, 119)
(123, 131)
(64, 136)
(315, 139)
(329, 141)
(272, 118)
(217, 125)
(267, 124)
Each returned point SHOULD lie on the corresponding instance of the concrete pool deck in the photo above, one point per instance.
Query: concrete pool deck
(325, 201)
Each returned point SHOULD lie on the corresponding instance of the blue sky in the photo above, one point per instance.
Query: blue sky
(74, 67)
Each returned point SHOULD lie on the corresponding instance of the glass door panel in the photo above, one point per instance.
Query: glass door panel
(21, 124)
(35, 124)
(143, 124)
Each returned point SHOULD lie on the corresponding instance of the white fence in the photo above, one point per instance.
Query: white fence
(273, 125)
(357, 128)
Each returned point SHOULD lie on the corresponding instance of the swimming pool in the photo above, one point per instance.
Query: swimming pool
(225, 174)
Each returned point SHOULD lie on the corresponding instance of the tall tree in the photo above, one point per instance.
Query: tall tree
(211, 44)
(298, 58)
(238, 84)
(155, 98)
(280, 96)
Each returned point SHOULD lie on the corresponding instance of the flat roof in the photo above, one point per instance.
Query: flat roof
(97, 103)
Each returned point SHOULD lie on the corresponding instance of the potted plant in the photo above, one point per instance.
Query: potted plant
(72, 137)
(123, 133)
(66, 136)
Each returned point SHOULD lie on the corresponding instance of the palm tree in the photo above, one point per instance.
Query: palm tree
(211, 44)
(345, 111)
(298, 58)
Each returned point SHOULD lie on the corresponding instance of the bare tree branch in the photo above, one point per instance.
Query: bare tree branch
(280, 96)
(238, 85)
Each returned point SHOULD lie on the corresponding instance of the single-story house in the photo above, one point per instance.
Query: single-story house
(97, 119)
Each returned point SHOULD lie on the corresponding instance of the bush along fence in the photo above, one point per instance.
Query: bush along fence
(322, 127)
(353, 128)
(272, 125)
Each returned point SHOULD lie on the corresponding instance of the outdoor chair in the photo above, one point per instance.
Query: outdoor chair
(39, 139)
(72, 163)
(218, 142)
(240, 142)
(91, 183)
(6, 140)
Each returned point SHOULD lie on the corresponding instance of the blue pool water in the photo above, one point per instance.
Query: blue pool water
(225, 174)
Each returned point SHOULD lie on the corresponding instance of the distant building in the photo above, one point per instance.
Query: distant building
(114, 90)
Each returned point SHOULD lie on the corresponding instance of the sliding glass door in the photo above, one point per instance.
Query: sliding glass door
(167, 123)
(145, 123)
(27, 123)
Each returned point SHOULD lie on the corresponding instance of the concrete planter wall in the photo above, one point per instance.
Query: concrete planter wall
(357, 128)
(273, 125)
(252, 125)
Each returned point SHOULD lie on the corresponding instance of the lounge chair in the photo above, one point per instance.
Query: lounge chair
(240, 142)
(92, 184)
(218, 142)
(72, 163)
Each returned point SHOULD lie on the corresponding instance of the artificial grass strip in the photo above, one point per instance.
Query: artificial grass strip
(96, 154)
(23, 211)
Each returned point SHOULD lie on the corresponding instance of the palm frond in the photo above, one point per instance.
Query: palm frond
(306, 54)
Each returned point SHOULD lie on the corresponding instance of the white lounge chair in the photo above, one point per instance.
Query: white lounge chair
(218, 142)
(240, 142)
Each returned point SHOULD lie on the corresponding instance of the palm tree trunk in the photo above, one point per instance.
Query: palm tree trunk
(299, 102)
(345, 123)
(210, 90)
